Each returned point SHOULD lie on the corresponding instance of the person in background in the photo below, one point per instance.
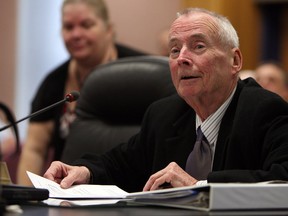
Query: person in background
(88, 35)
(273, 77)
(217, 128)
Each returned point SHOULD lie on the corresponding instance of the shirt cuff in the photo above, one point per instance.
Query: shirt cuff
(202, 182)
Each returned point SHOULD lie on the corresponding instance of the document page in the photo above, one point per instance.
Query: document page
(80, 202)
(83, 191)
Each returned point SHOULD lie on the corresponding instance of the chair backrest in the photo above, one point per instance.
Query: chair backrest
(113, 101)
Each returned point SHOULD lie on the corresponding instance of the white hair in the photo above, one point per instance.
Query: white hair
(227, 33)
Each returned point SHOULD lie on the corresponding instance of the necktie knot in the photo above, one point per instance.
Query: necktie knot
(200, 134)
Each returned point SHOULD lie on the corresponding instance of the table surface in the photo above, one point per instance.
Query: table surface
(41, 210)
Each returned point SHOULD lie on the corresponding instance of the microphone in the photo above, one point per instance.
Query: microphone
(28, 193)
(72, 96)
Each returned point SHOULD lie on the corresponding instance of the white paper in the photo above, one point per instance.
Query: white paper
(82, 202)
(83, 191)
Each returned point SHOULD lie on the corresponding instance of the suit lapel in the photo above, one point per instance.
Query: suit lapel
(181, 142)
(225, 131)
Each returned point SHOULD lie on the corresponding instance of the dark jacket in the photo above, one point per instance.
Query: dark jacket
(252, 144)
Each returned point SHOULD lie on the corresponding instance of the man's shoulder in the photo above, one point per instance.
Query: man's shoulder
(253, 96)
(170, 106)
(250, 89)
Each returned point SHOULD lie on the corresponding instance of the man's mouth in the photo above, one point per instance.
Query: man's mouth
(188, 77)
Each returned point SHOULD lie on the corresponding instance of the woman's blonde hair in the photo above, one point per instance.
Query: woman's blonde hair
(99, 7)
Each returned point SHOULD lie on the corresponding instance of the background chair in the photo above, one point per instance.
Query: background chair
(113, 101)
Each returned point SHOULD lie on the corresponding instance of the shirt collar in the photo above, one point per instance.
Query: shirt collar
(210, 127)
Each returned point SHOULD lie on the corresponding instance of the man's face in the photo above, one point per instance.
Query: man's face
(271, 78)
(201, 67)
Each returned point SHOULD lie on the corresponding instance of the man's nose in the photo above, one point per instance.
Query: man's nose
(184, 57)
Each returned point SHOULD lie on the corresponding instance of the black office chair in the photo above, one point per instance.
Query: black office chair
(113, 101)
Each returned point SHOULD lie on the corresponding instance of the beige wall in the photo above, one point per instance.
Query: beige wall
(7, 51)
(139, 22)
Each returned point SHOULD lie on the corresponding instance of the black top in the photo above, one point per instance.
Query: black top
(51, 91)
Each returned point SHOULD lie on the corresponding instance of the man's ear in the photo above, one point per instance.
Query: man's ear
(237, 59)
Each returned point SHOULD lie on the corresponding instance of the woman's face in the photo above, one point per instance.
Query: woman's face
(85, 34)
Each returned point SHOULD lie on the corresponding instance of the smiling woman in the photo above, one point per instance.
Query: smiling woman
(89, 39)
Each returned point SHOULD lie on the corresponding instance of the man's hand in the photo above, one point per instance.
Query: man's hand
(67, 175)
(172, 174)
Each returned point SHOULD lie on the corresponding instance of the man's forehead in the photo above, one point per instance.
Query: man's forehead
(196, 25)
(193, 21)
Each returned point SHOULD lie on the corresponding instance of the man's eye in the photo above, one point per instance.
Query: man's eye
(173, 51)
(199, 46)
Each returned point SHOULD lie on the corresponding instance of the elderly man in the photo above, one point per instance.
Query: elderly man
(218, 128)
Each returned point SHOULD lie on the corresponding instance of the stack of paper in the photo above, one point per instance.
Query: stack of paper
(84, 191)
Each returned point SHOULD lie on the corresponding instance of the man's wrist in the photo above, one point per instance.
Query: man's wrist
(89, 176)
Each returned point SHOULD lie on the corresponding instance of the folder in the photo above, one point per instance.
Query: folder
(219, 196)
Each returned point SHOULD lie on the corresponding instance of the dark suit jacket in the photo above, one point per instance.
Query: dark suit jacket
(252, 144)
